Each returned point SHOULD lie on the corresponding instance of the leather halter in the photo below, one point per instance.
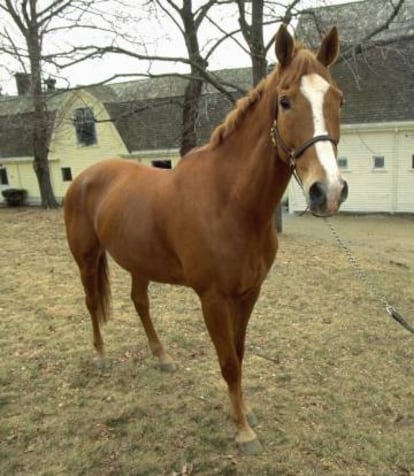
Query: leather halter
(294, 154)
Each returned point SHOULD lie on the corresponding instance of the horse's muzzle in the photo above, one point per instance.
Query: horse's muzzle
(324, 199)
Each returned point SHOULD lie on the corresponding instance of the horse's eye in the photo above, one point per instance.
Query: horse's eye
(284, 101)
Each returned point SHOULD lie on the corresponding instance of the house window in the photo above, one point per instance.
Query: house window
(412, 161)
(4, 179)
(343, 162)
(84, 122)
(379, 161)
(66, 174)
(161, 164)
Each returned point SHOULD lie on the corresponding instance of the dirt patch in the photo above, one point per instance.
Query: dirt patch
(328, 373)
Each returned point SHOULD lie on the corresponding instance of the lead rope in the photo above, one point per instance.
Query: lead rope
(360, 273)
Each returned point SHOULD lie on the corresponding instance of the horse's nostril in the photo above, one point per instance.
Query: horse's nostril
(317, 194)
(344, 193)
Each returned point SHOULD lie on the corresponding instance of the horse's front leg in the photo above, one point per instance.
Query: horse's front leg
(242, 309)
(218, 314)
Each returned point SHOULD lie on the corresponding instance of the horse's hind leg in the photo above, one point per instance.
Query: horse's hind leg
(89, 278)
(92, 264)
(90, 258)
(93, 271)
(139, 295)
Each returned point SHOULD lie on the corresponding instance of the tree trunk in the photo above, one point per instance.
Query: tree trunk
(40, 153)
(191, 106)
(40, 118)
(194, 87)
(257, 47)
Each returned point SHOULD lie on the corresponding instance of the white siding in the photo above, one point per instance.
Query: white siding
(390, 189)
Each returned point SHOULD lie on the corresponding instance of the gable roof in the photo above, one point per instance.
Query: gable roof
(15, 135)
(156, 123)
(378, 86)
(355, 21)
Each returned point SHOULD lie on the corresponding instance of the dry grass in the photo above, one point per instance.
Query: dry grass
(330, 376)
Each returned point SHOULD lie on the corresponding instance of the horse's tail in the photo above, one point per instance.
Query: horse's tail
(104, 289)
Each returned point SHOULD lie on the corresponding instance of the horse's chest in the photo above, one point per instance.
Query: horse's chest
(247, 266)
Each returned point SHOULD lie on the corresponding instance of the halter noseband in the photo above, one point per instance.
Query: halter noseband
(295, 154)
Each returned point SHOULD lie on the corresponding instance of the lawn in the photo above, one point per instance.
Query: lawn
(329, 374)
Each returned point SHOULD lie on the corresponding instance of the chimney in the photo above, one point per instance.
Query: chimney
(23, 83)
(50, 85)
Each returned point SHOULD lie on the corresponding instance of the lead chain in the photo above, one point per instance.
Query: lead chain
(360, 273)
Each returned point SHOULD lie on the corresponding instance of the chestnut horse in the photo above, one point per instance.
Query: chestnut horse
(208, 223)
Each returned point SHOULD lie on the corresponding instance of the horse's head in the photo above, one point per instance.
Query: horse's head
(306, 130)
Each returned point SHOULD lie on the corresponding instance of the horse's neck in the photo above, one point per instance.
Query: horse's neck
(259, 177)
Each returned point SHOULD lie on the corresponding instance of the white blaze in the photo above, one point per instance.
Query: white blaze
(314, 88)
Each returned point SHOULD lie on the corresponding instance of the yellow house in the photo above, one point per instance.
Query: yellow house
(80, 134)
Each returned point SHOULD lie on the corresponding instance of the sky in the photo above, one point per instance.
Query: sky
(156, 35)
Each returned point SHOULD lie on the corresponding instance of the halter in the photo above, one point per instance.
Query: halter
(295, 154)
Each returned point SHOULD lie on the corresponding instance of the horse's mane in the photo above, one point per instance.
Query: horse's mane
(234, 117)
(244, 104)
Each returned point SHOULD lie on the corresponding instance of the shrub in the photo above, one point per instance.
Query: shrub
(14, 196)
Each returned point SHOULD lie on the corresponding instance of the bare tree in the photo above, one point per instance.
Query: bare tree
(30, 24)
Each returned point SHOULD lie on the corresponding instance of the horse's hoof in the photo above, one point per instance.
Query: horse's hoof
(252, 447)
(252, 419)
(101, 363)
(168, 367)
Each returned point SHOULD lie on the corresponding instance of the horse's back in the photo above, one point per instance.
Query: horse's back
(106, 182)
(98, 179)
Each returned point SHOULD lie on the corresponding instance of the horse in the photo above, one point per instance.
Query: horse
(208, 223)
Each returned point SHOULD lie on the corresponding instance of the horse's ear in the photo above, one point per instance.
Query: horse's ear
(329, 50)
(284, 46)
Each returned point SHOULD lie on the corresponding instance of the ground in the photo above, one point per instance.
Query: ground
(329, 374)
